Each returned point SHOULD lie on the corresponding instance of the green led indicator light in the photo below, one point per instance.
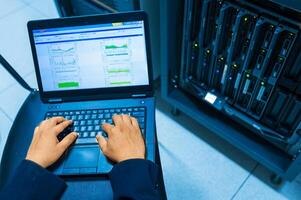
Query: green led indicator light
(245, 19)
(222, 58)
(195, 44)
(262, 83)
(248, 75)
(208, 51)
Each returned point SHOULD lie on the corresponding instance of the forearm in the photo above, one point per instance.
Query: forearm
(135, 179)
(31, 181)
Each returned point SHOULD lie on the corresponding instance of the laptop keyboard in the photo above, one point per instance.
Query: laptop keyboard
(88, 122)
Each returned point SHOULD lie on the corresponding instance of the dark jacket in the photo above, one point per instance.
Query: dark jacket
(131, 179)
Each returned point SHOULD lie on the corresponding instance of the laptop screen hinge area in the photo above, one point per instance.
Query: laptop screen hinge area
(138, 95)
(55, 100)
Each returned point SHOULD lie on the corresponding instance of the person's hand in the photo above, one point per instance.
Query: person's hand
(45, 149)
(124, 139)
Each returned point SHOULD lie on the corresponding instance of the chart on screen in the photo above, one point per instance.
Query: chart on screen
(64, 62)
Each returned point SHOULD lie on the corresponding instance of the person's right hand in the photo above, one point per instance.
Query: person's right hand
(124, 141)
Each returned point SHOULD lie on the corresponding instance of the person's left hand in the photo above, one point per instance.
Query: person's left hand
(45, 149)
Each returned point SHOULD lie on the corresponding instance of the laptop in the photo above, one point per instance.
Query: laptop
(88, 69)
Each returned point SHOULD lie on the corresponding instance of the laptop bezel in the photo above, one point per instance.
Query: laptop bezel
(97, 93)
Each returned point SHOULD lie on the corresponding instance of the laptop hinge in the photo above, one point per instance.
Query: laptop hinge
(138, 95)
(54, 100)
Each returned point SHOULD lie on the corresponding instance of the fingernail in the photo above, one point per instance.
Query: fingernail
(97, 136)
(76, 134)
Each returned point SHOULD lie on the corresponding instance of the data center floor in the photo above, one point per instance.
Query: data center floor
(196, 164)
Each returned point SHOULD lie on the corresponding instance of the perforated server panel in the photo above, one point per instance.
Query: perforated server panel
(237, 57)
(241, 59)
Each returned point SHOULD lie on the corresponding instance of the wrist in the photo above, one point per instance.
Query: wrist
(36, 161)
(131, 158)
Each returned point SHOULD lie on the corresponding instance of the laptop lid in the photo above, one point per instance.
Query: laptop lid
(92, 57)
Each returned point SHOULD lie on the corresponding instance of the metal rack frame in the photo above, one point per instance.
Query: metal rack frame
(265, 153)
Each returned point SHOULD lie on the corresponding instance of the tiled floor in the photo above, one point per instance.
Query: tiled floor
(196, 164)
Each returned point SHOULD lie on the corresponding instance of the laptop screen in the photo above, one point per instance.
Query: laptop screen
(92, 56)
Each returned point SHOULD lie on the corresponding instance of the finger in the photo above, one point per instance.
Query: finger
(134, 122)
(107, 128)
(60, 127)
(117, 120)
(67, 141)
(102, 142)
(126, 119)
(35, 132)
(56, 120)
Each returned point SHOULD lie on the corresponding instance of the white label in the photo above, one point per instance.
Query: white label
(210, 98)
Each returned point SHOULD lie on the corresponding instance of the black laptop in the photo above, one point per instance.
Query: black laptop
(88, 69)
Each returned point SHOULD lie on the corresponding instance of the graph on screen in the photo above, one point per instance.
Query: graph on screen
(117, 61)
(116, 49)
(63, 60)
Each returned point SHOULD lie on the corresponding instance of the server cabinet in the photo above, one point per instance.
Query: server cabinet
(235, 67)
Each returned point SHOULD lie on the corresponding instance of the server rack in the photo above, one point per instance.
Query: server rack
(235, 67)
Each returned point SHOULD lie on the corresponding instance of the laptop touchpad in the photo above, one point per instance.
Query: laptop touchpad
(82, 157)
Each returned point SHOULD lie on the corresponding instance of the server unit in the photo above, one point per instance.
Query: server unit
(241, 59)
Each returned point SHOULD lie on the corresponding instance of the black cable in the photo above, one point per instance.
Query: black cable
(104, 6)
(13, 72)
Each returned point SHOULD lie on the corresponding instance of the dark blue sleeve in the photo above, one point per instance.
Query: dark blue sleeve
(31, 181)
(135, 179)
